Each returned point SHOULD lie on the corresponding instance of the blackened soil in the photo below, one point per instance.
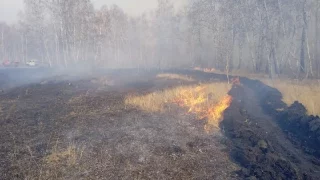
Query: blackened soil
(259, 144)
(267, 139)
(300, 128)
(82, 129)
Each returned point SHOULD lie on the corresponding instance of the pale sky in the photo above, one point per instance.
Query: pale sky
(10, 8)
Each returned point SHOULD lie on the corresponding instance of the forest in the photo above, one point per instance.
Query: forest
(274, 37)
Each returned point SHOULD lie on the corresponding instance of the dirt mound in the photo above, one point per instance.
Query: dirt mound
(303, 130)
(257, 124)
(255, 150)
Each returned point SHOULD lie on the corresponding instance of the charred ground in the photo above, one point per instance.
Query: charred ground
(69, 128)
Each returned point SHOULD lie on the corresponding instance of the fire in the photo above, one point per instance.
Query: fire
(191, 99)
(197, 102)
(235, 80)
(215, 113)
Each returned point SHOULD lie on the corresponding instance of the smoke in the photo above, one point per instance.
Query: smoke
(245, 36)
(9, 10)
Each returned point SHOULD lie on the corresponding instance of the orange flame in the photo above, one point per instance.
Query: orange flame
(235, 80)
(215, 113)
(197, 102)
(191, 99)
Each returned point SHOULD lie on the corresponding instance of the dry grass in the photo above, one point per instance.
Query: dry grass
(156, 101)
(306, 92)
(105, 81)
(11, 111)
(175, 77)
(81, 107)
(68, 157)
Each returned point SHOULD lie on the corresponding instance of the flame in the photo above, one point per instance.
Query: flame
(235, 80)
(215, 113)
(196, 100)
(192, 99)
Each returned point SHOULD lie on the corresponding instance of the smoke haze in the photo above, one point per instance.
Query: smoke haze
(9, 9)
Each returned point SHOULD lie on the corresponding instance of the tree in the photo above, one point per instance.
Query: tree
(270, 36)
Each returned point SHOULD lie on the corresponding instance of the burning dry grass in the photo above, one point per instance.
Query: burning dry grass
(215, 113)
(206, 101)
(202, 104)
(175, 77)
(156, 101)
(306, 92)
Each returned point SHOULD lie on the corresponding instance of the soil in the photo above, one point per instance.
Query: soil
(57, 126)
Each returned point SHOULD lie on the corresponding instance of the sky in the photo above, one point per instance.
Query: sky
(10, 8)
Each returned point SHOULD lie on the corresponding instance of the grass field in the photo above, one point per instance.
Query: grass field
(306, 92)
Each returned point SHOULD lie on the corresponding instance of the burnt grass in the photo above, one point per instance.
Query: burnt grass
(260, 137)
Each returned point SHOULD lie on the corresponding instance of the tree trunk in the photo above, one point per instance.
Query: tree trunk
(228, 69)
(302, 68)
(270, 65)
(275, 62)
(26, 46)
(250, 45)
(2, 42)
(200, 48)
(302, 51)
(22, 49)
(309, 58)
(240, 56)
(317, 39)
(47, 53)
(232, 49)
(260, 53)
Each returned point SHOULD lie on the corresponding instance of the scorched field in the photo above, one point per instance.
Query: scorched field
(131, 124)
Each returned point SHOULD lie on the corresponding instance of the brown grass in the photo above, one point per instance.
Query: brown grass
(105, 81)
(306, 92)
(156, 101)
(11, 111)
(175, 77)
(68, 157)
(81, 107)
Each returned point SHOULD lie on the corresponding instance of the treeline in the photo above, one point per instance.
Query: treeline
(257, 36)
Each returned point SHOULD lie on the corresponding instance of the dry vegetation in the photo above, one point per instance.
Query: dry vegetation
(306, 92)
(78, 131)
(175, 77)
(206, 101)
(156, 101)
(69, 156)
